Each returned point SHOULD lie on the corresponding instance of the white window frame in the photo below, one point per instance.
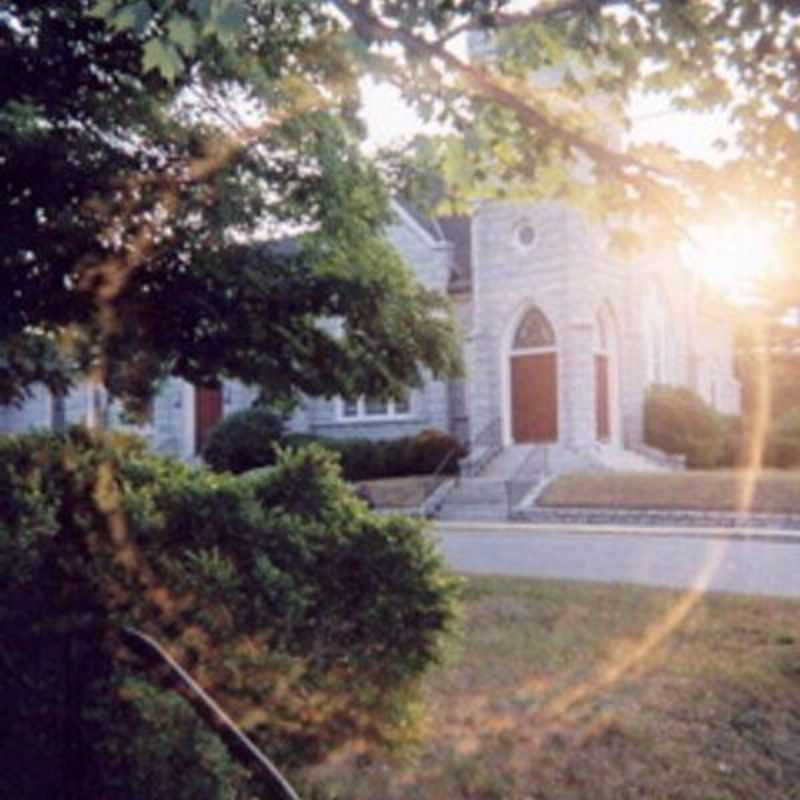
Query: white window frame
(361, 414)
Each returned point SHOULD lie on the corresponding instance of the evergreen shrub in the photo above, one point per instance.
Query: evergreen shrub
(307, 617)
(783, 441)
(244, 440)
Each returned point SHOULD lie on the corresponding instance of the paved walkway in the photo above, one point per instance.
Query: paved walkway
(749, 562)
(696, 531)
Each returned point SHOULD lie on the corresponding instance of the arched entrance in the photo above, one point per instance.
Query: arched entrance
(533, 374)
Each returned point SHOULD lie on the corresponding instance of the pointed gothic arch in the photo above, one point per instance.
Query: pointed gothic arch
(533, 379)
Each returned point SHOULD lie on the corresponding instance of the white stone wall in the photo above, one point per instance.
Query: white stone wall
(34, 412)
(508, 278)
(554, 273)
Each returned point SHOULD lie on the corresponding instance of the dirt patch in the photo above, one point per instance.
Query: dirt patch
(402, 493)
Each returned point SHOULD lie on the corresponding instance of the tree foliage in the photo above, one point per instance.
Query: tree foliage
(517, 136)
(130, 175)
(130, 192)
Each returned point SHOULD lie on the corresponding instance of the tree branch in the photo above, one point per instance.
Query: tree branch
(543, 11)
(369, 27)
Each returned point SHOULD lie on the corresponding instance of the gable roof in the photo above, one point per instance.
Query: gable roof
(428, 224)
(453, 229)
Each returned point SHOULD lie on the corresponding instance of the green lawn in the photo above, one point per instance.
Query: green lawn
(768, 491)
(564, 691)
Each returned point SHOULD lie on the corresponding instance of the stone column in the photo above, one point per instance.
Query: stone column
(632, 389)
(578, 391)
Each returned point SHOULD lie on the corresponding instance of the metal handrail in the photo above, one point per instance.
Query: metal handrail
(432, 482)
(538, 453)
(489, 436)
(444, 462)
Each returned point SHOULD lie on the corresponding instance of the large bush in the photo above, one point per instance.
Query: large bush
(783, 441)
(677, 420)
(368, 459)
(310, 619)
(244, 440)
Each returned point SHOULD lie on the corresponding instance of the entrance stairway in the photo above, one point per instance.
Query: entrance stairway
(518, 460)
(503, 483)
(506, 480)
(476, 499)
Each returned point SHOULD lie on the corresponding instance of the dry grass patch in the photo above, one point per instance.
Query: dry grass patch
(564, 691)
(768, 491)
(401, 492)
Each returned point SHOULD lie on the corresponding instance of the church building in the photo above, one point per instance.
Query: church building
(561, 342)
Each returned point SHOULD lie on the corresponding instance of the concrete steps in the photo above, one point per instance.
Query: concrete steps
(475, 499)
(507, 462)
(627, 461)
(487, 497)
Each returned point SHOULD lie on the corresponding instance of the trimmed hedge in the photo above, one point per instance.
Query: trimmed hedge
(783, 442)
(367, 459)
(244, 440)
(306, 616)
(677, 420)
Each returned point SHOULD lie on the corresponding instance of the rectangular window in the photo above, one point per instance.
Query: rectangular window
(403, 405)
(375, 408)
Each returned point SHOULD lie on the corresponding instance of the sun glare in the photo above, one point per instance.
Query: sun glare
(731, 256)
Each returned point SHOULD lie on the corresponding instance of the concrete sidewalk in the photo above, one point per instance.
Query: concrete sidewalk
(692, 532)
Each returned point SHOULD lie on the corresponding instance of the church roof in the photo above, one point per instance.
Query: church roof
(456, 229)
(428, 224)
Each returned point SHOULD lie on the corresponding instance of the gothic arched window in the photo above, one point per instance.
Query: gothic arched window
(601, 336)
(534, 331)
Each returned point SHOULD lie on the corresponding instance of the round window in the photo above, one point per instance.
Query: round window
(526, 235)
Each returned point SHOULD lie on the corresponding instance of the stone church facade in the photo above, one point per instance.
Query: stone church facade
(561, 343)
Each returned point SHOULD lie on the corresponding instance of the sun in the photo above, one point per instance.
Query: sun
(731, 255)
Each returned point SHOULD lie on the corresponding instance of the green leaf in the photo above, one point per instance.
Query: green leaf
(101, 9)
(182, 32)
(230, 20)
(201, 9)
(162, 57)
(134, 16)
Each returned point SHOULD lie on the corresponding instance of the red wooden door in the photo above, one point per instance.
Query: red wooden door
(534, 398)
(601, 404)
(207, 412)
